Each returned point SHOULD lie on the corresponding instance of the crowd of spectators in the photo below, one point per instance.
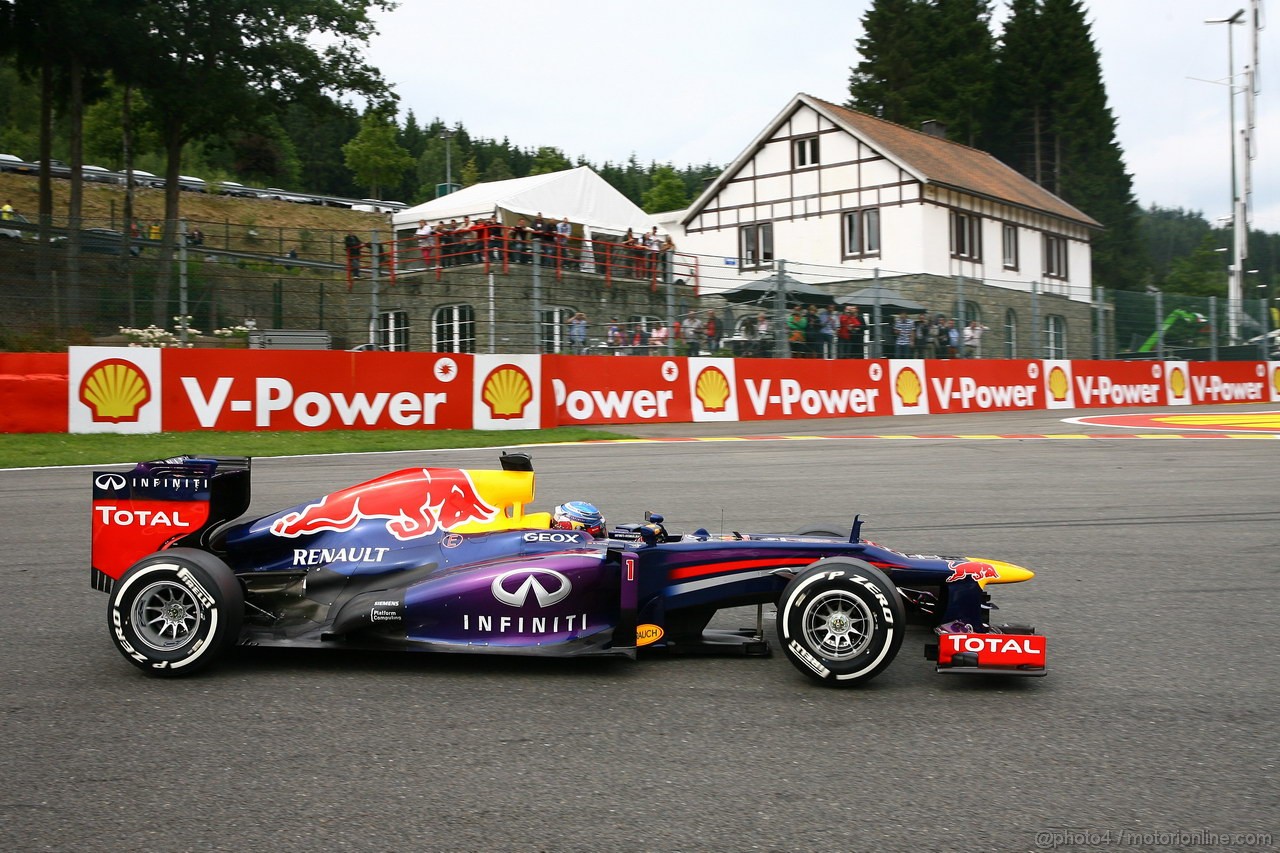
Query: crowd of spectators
(547, 241)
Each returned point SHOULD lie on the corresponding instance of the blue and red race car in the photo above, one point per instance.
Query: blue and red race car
(449, 560)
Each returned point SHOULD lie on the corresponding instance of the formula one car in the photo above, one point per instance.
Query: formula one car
(448, 560)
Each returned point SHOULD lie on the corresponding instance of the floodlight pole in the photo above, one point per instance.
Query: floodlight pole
(1239, 225)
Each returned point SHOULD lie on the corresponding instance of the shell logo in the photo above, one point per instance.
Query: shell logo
(506, 391)
(908, 387)
(115, 391)
(1058, 385)
(1275, 379)
(712, 389)
(1178, 382)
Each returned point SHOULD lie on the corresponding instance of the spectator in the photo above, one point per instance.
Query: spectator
(154, 232)
(850, 333)
(797, 325)
(920, 337)
(563, 232)
(712, 331)
(830, 324)
(659, 337)
(668, 253)
(520, 241)
(903, 335)
(6, 211)
(691, 329)
(813, 332)
(613, 335)
(762, 331)
(578, 333)
(426, 235)
(353, 246)
(948, 339)
(545, 233)
(292, 255)
(973, 339)
(497, 245)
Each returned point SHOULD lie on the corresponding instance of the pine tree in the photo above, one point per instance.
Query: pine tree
(891, 81)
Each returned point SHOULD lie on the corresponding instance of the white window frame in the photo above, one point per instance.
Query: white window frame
(1009, 235)
(553, 330)
(755, 246)
(1055, 256)
(966, 235)
(860, 232)
(393, 330)
(805, 152)
(459, 320)
(1010, 333)
(1055, 336)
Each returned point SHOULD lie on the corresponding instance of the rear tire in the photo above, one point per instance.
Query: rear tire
(176, 612)
(841, 621)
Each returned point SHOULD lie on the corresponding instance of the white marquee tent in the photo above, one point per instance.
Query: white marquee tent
(585, 198)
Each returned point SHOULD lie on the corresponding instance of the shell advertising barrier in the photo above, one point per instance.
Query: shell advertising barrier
(139, 390)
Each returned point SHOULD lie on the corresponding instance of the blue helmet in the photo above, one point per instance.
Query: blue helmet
(579, 515)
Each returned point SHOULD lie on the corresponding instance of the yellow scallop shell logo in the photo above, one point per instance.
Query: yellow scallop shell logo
(1178, 382)
(1058, 384)
(115, 390)
(507, 391)
(908, 386)
(712, 389)
(1275, 379)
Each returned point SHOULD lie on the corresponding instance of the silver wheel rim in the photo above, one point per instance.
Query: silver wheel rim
(166, 615)
(838, 625)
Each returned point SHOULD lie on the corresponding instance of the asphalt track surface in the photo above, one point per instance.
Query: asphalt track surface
(1155, 729)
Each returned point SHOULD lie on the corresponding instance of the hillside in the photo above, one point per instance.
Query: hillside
(104, 205)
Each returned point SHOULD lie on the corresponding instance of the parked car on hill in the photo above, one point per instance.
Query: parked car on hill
(14, 163)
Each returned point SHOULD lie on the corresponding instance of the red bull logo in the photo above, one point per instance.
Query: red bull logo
(971, 569)
(415, 502)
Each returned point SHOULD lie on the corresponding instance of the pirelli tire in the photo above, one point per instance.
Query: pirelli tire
(175, 612)
(841, 621)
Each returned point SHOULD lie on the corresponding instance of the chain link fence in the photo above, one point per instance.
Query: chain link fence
(491, 292)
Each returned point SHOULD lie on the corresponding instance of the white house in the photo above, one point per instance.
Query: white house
(825, 185)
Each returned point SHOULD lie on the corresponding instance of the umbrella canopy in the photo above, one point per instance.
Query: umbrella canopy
(762, 292)
(890, 300)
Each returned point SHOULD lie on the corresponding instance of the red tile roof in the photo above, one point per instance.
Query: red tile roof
(946, 163)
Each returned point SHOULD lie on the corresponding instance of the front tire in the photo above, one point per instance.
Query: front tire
(176, 612)
(841, 621)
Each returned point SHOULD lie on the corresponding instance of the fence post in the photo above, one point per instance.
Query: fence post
(373, 285)
(537, 293)
(1035, 320)
(781, 340)
(1213, 328)
(1159, 324)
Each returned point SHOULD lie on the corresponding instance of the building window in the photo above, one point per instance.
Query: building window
(804, 152)
(393, 330)
(454, 329)
(966, 236)
(1010, 246)
(1055, 256)
(861, 235)
(755, 245)
(1010, 334)
(553, 332)
(1055, 336)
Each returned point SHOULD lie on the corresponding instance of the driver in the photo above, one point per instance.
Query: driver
(579, 515)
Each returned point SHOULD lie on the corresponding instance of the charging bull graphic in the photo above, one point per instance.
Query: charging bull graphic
(971, 569)
(415, 502)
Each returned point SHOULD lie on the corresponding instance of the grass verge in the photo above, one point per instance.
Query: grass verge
(41, 449)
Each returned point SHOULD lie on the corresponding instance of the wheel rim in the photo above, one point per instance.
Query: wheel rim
(838, 625)
(166, 615)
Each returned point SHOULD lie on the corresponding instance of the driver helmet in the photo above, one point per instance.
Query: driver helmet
(579, 515)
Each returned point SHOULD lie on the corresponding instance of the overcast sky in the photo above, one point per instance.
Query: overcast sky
(694, 81)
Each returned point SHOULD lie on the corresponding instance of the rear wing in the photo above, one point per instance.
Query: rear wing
(162, 504)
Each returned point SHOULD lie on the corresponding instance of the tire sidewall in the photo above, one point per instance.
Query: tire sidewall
(219, 605)
(873, 588)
